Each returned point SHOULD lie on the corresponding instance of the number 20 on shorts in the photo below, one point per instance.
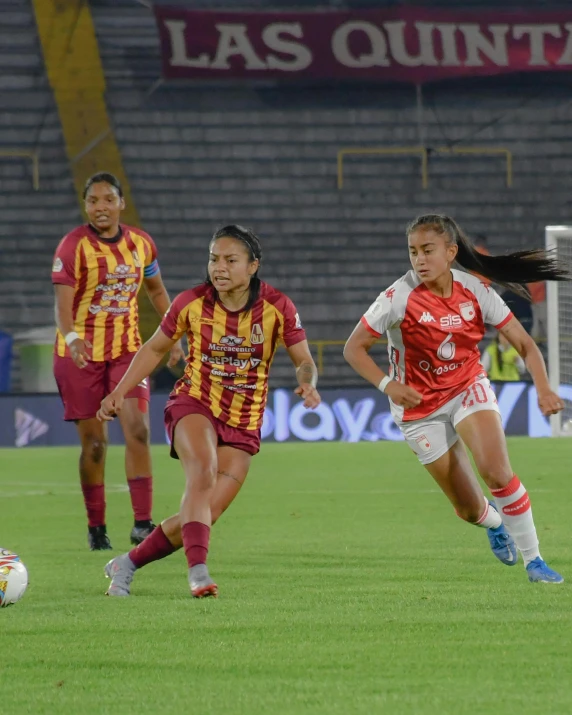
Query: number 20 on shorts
(475, 393)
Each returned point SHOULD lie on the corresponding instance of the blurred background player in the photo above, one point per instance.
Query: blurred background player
(233, 324)
(502, 362)
(434, 318)
(539, 311)
(97, 273)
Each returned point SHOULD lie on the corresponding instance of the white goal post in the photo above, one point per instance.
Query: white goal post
(559, 330)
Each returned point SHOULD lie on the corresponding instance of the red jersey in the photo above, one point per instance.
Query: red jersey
(106, 276)
(433, 341)
(230, 353)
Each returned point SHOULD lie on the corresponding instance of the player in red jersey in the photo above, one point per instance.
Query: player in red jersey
(434, 318)
(97, 273)
(233, 323)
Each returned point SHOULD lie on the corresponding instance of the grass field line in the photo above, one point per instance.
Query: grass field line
(110, 489)
(122, 488)
(22, 482)
(328, 492)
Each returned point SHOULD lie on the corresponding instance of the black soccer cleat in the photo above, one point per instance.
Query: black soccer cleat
(97, 538)
(141, 531)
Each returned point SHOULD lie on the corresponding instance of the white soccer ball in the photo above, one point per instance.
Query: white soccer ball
(7, 555)
(13, 578)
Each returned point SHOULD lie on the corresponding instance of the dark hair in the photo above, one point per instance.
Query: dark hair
(252, 243)
(513, 270)
(496, 342)
(101, 177)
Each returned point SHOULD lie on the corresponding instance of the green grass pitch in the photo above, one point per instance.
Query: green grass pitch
(347, 585)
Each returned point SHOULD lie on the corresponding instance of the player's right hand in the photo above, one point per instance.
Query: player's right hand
(79, 352)
(403, 395)
(110, 407)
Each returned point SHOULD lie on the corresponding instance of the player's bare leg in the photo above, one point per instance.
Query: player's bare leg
(138, 470)
(233, 466)
(93, 438)
(196, 444)
(484, 436)
(454, 474)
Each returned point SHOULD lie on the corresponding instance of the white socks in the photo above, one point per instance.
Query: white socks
(514, 507)
(490, 518)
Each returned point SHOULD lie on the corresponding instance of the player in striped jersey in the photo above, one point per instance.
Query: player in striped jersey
(97, 273)
(435, 317)
(233, 323)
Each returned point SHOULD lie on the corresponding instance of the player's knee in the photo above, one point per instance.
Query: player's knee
(204, 478)
(139, 433)
(94, 447)
(496, 476)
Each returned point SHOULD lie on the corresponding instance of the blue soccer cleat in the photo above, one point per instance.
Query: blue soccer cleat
(502, 544)
(539, 572)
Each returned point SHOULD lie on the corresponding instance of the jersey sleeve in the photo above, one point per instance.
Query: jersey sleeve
(292, 330)
(174, 323)
(151, 267)
(64, 265)
(381, 314)
(493, 308)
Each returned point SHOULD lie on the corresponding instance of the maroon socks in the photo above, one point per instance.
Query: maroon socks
(156, 546)
(141, 491)
(196, 542)
(94, 498)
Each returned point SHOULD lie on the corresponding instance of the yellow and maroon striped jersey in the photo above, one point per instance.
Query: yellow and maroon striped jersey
(106, 276)
(230, 353)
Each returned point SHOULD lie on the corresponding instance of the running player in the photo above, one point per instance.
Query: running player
(97, 273)
(233, 323)
(434, 317)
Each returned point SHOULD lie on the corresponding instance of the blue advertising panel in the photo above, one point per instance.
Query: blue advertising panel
(348, 415)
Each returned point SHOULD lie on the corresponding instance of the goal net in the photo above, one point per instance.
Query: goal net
(559, 330)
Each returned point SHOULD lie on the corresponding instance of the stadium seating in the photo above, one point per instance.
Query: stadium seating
(31, 222)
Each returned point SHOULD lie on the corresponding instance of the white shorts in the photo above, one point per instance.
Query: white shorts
(431, 437)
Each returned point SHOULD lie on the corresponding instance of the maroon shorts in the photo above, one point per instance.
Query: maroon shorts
(83, 389)
(180, 406)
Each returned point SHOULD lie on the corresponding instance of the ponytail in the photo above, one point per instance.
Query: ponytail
(513, 270)
(252, 243)
(498, 350)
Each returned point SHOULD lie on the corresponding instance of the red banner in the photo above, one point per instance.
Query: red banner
(412, 45)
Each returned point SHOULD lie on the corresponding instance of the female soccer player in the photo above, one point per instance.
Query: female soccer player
(97, 273)
(233, 324)
(434, 317)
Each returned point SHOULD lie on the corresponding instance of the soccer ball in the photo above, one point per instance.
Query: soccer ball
(13, 578)
(6, 555)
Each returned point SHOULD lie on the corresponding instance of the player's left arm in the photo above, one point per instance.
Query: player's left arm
(306, 373)
(159, 297)
(548, 401)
